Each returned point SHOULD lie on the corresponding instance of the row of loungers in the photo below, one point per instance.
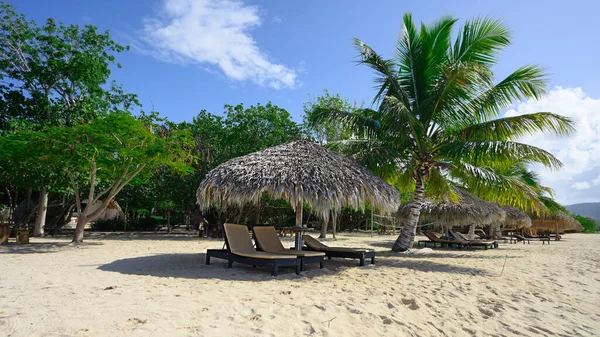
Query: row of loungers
(458, 239)
(270, 252)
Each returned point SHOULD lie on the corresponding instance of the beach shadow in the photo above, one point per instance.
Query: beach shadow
(447, 254)
(191, 266)
(143, 236)
(430, 266)
(42, 247)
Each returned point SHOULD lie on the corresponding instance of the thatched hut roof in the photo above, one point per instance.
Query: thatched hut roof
(564, 221)
(297, 171)
(469, 210)
(516, 218)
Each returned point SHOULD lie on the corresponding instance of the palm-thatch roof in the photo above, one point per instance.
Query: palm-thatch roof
(469, 210)
(297, 172)
(516, 218)
(561, 219)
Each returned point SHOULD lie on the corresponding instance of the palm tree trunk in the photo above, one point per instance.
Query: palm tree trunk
(405, 241)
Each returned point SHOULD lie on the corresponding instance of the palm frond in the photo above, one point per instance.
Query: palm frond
(480, 40)
(440, 188)
(387, 81)
(362, 120)
(527, 82)
(498, 154)
(511, 128)
(489, 185)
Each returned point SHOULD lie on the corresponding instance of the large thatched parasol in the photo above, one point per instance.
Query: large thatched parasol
(516, 218)
(557, 222)
(469, 210)
(297, 172)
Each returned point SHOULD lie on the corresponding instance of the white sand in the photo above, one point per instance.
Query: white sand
(159, 286)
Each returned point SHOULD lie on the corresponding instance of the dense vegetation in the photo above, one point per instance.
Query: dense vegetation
(69, 136)
(590, 225)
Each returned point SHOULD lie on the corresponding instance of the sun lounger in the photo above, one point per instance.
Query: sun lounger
(461, 239)
(432, 238)
(543, 239)
(240, 249)
(499, 237)
(521, 238)
(351, 253)
(268, 241)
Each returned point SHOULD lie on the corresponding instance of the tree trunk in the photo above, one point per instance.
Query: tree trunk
(81, 221)
(407, 236)
(324, 230)
(40, 220)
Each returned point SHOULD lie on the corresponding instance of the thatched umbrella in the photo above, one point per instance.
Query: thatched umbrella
(297, 172)
(516, 218)
(557, 222)
(469, 210)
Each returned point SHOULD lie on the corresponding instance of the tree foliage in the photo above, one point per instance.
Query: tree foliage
(55, 74)
(590, 225)
(436, 118)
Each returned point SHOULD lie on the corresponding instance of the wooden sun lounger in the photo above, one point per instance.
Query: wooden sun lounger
(543, 239)
(460, 238)
(351, 253)
(268, 241)
(240, 249)
(432, 238)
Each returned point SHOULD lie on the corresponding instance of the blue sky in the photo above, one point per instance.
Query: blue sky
(192, 55)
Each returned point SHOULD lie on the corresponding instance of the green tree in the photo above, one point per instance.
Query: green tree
(101, 157)
(54, 75)
(590, 225)
(436, 123)
(327, 131)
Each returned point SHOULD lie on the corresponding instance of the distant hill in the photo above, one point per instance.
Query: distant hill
(588, 209)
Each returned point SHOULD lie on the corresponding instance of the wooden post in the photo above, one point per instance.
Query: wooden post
(298, 243)
(334, 224)
(557, 232)
(257, 213)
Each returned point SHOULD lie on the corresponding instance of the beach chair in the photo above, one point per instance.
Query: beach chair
(350, 253)
(267, 241)
(432, 238)
(240, 249)
(499, 237)
(521, 238)
(462, 240)
(543, 239)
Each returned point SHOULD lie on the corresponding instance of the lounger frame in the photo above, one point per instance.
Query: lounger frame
(273, 263)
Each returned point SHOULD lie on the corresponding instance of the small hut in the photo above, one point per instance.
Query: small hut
(469, 210)
(298, 172)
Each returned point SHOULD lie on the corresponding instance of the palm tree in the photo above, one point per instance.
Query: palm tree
(436, 122)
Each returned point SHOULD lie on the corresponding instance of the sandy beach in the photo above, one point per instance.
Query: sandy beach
(158, 285)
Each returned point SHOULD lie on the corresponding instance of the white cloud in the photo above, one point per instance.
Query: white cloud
(215, 33)
(580, 152)
(276, 19)
(581, 185)
(596, 181)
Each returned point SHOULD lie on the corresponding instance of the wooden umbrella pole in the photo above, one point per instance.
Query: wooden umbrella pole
(257, 213)
(298, 244)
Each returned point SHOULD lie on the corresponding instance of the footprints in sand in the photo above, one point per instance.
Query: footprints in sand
(489, 307)
(411, 303)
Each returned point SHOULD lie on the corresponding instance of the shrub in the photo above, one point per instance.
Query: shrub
(108, 225)
(143, 224)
